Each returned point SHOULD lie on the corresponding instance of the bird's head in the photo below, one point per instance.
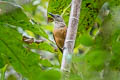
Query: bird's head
(59, 22)
(56, 17)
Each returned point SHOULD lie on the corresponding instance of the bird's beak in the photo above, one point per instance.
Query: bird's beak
(51, 14)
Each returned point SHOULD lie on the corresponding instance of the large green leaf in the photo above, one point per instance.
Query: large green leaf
(12, 23)
(22, 60)
(13, 15)
(42, 46)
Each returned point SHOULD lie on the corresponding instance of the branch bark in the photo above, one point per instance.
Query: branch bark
(71, 35)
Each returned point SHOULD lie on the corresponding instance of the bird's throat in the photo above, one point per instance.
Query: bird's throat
(59, 24)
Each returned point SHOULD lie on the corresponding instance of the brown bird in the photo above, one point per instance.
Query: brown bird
(59, 32)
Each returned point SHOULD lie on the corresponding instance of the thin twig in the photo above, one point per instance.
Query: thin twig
(65, 9)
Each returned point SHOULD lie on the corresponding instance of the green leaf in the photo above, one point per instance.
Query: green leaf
(86, 40)
(115, 61)
(51, 74)
(16, 18)
(42, 46)
(45, 63)
(22, 60)
(2, 64)
(97, 59)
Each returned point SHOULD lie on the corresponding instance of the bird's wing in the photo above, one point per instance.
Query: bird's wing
(59, 37)
(57, 45)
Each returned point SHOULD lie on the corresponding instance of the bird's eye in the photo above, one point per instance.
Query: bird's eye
(58, 16)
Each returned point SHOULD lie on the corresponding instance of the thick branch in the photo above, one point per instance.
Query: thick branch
(71, 35)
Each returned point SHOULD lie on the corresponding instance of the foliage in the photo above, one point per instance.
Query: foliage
(98, 38)
(13, 24)
(101, 50)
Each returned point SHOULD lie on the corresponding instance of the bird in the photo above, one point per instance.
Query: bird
(59, 31)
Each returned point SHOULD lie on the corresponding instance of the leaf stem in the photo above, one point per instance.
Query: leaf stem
(65, 9)
(3, 70)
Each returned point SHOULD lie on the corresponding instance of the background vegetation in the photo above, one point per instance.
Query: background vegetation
(96, 52)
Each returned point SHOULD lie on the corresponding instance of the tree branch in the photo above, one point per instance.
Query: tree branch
(71, 35)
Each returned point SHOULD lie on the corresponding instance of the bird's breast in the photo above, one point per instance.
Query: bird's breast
(59, 36)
